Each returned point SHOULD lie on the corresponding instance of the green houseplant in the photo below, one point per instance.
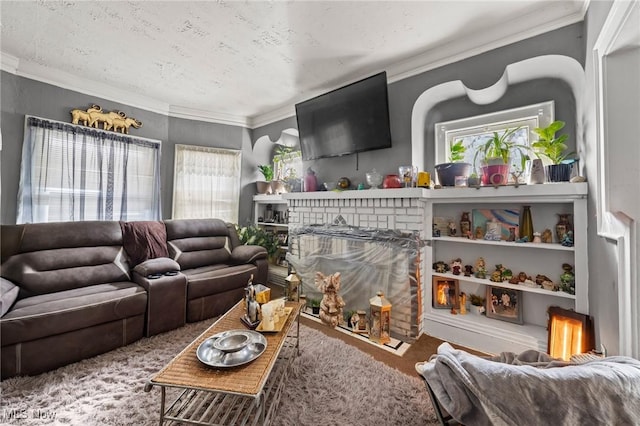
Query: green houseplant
(264, 186)
(255, 235)
(554, 149)
(447, 172)
(495, 156)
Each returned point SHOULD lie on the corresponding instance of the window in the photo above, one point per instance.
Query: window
(475, 131)
(206, 183)
(72, 173)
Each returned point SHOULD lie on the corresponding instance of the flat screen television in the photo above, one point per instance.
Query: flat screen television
(351, 119)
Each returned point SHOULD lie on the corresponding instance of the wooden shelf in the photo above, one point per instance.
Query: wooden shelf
(276, 225)
(507, 285)
(540, 246)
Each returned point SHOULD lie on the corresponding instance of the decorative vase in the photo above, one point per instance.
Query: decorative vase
(536, 172)
(559, 172)
(374, 179)
(263, 187)
(526, 224)
(563, 226)
(310, 181)
(447, 172)
(392, 181)
(495, 174)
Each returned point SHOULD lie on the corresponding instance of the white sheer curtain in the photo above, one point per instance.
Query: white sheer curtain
(206, 183)
(71, 173)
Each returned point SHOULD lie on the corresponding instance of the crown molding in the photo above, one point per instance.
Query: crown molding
(208, 116)
(498, 37)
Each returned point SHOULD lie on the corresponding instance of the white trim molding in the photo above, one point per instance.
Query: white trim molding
(617, 68)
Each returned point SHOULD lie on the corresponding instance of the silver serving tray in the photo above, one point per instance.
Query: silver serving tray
(213, 357)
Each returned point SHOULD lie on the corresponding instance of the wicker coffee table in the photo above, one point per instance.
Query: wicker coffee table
(244, 395)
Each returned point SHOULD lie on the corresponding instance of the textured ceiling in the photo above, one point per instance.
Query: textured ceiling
(249, 61)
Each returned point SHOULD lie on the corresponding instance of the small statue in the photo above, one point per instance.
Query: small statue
(493, 231)
(514, 280)
(547, 236)
(440, 267)
(567, 239)
(468, 270)
(522, 277)
(536, 237)
(435, 231)
(456, 266)
(252, 314)
(568, 279)
(481, 271)
(507, 275)
(452, 229)
(463, 303)
(479, 233)
(496, 277)
(332, 303)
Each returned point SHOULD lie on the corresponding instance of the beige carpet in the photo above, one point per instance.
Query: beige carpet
(332, 383)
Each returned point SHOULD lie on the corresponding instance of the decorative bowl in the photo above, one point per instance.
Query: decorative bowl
(232, 342)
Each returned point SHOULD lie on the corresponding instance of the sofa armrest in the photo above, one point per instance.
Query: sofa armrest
(157, 266)
(247, 254)
(166, 299)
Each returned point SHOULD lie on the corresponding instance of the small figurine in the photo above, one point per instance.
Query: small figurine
(479, 233)
(252, 315)
(435, 231)
(456, 266)
(547, 236)
(496, 276)
(452, 229)
(567, 239)
(522, 277)
(536, 237)
(440, 267)
(468, 270)
(568, 279)
(524, 239)
(465, 224)
(512, 234)
(493, 231)
(549, 285)
(481, 271)
(507, 275)
(514, 280)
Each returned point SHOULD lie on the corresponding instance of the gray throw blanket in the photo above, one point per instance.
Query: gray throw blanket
(533, 389)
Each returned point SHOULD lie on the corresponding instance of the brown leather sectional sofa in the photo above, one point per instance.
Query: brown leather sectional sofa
(71, 291)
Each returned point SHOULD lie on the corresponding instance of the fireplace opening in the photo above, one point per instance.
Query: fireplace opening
(570, 333)
(369, 261)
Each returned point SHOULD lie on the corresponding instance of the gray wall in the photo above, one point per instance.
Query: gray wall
(476, 72)
(23, 96)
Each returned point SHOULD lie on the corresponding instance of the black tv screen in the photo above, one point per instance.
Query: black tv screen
(351, 119)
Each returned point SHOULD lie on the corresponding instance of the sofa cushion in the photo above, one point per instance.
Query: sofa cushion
(217, 279)
(8, 295)
(194, 243)
(50, 314)
(50, 271)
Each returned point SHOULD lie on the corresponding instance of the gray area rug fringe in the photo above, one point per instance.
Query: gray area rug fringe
(331, 383)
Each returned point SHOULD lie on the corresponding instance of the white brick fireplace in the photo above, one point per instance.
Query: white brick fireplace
(399, 211)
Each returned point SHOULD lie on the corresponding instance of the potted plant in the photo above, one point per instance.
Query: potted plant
(495, 156)
(554, 150)
(315, 306)
(447, 172)
(264, 187)
(477, 304)
(255, 235)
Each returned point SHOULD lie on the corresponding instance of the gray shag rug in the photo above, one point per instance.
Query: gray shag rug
(331, 383)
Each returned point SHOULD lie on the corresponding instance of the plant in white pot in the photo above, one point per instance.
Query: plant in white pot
(554, 150)
(264, 187)
(495, 156)
(447, 172)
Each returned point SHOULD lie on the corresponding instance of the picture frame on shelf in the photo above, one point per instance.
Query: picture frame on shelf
(446, 293)
(504, 304)
(283, 238)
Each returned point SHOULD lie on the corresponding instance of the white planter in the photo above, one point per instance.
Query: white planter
(476, 310)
